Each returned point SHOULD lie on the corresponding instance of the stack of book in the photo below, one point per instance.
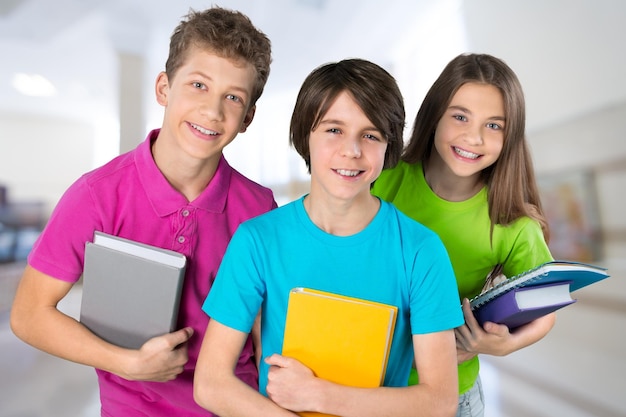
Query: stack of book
(535, 293)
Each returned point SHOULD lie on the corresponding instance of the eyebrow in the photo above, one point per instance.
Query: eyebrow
(343, 123)
(466, 110)
(332, 122)
(232, 87)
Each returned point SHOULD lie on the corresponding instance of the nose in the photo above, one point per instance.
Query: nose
(212, 107)
(474, 136)
(351, 147)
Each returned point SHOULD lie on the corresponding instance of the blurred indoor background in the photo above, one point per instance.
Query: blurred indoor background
(76, 89)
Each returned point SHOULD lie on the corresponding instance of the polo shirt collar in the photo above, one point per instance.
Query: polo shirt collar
(166, 200)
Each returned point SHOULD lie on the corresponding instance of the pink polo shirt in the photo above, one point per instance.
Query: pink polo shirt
(129, 197)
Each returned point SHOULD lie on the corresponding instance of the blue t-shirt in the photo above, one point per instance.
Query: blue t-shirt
(394, 260)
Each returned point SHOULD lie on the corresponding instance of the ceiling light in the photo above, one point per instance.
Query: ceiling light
(33, 85)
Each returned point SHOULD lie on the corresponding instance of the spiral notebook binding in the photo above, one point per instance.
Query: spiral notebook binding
(577, 273)
(508, 285)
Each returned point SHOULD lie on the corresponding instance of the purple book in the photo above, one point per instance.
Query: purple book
(525, 304)
(501, 303)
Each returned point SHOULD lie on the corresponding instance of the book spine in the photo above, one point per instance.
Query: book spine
(498, 309)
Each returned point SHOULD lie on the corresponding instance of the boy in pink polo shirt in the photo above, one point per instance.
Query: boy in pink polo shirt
(175, 191)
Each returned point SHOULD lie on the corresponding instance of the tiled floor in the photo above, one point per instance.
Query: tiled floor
(576, 371)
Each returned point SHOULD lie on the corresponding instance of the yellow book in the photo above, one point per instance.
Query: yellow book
(341, 339)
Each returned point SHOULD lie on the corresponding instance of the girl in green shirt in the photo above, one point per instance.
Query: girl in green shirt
(467, 174)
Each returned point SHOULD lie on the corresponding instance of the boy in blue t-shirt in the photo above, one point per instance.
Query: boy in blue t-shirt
(347, 125)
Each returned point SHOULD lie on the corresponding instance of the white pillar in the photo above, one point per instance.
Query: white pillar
(131, 108)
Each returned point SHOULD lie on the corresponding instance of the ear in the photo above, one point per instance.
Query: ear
(247, 119)
(161, 88)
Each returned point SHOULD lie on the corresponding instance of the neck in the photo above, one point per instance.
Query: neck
(187, 175)
(446, 184)
(341, 218)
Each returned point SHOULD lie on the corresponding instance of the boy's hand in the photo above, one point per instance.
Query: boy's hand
(290, 383)
(161, 358)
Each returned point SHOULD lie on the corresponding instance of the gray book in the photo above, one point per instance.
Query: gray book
(131, 291)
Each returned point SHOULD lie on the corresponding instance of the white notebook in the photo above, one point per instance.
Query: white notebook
(131, 291)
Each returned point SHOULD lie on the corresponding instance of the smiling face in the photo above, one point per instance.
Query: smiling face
(470, 134)
(207, 103)
(347, 152)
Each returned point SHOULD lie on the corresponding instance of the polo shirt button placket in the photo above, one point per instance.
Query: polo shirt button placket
(184, 213)
(186, 226)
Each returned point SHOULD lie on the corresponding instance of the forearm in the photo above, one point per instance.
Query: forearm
(231, 397)
(217, 388)
(36, 320)
(412, 401)
(435, 395)
(528, 334)
(53, 332)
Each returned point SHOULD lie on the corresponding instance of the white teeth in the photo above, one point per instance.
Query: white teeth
(203, 130)
(348, 173)
(466, 154)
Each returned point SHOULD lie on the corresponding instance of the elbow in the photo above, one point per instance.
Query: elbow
(448, 405)
(444, 402)
(449, 409)
(204, 394)
(443, 408)
(447, 400)
(200, 396)
(18, 323)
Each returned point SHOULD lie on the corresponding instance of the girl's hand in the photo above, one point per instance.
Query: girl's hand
(472, 339)
(290, 384)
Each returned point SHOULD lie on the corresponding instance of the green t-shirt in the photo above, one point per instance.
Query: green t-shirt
(464, 228)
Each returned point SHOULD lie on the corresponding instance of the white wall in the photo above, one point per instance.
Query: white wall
(590, 140)
(41, 156)
(592, 143)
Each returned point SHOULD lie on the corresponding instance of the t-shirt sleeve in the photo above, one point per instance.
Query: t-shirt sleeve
(528, 249)
(235, 298)
(60, 249)
(435, 304)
